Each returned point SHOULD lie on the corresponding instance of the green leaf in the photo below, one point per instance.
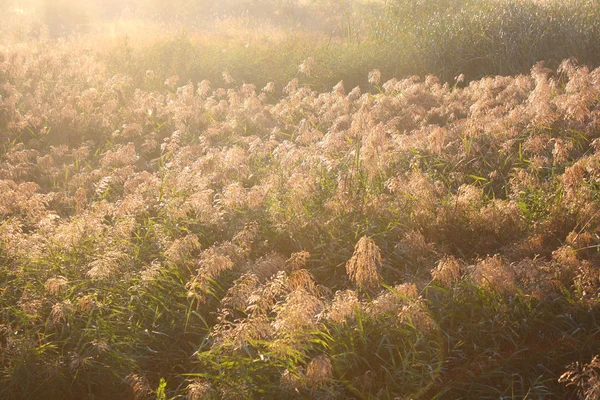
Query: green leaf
(160, 391)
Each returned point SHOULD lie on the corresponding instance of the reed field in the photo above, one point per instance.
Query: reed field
(300, 199)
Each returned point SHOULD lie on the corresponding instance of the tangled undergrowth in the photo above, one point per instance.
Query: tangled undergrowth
(418, 240)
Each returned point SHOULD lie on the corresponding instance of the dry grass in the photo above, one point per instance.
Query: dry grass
(168, 237)
(363, 268)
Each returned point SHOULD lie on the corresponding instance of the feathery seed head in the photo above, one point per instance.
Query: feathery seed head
(319, 371)
(363, 268)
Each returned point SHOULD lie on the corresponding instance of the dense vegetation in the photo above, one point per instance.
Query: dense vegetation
(190, 217)
(259, 41)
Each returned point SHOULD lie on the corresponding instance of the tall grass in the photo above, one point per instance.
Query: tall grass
(167, 236)
(478, 38)
(347, 40)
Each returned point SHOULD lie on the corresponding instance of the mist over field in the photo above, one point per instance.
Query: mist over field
(299, 199)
